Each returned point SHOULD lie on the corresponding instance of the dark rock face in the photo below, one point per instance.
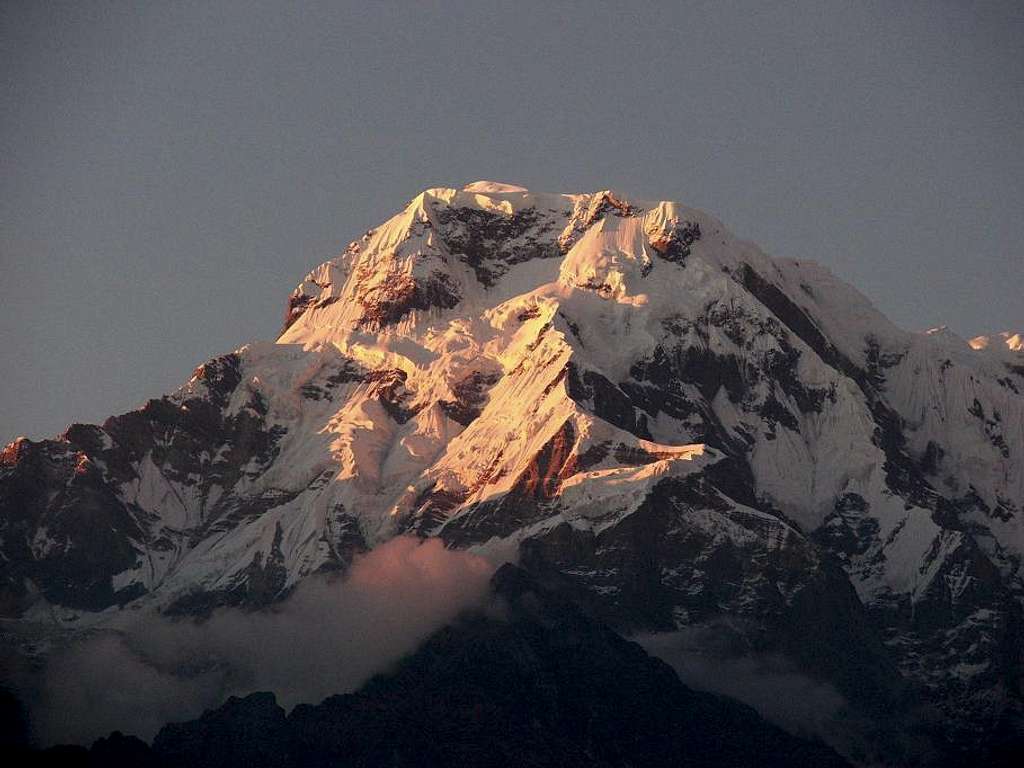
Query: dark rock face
(674, 243)
(388, 388)
(89, 532)
(297, 305)
(470, 395)
(402, 294)
(490, 243)
(593, 390)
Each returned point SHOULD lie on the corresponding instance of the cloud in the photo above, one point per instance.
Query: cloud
(709, 659)
(328, 637)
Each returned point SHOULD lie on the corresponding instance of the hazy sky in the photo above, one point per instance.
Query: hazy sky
(169, 170)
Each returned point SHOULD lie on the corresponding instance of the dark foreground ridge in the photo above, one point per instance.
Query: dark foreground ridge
(531, 682)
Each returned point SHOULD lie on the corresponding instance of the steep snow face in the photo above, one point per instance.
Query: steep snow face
(620, 391)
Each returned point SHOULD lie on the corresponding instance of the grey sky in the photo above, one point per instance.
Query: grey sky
(168, 172)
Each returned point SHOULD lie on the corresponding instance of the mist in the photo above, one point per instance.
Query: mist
(328, 637)
(705, 658)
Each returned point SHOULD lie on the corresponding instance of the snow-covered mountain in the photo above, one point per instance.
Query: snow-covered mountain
(678, 429)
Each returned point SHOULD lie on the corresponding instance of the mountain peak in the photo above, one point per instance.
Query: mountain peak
(1009, 340)
(493, 187)
(635, 403)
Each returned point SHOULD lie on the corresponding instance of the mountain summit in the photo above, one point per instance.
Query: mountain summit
(679, 430)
